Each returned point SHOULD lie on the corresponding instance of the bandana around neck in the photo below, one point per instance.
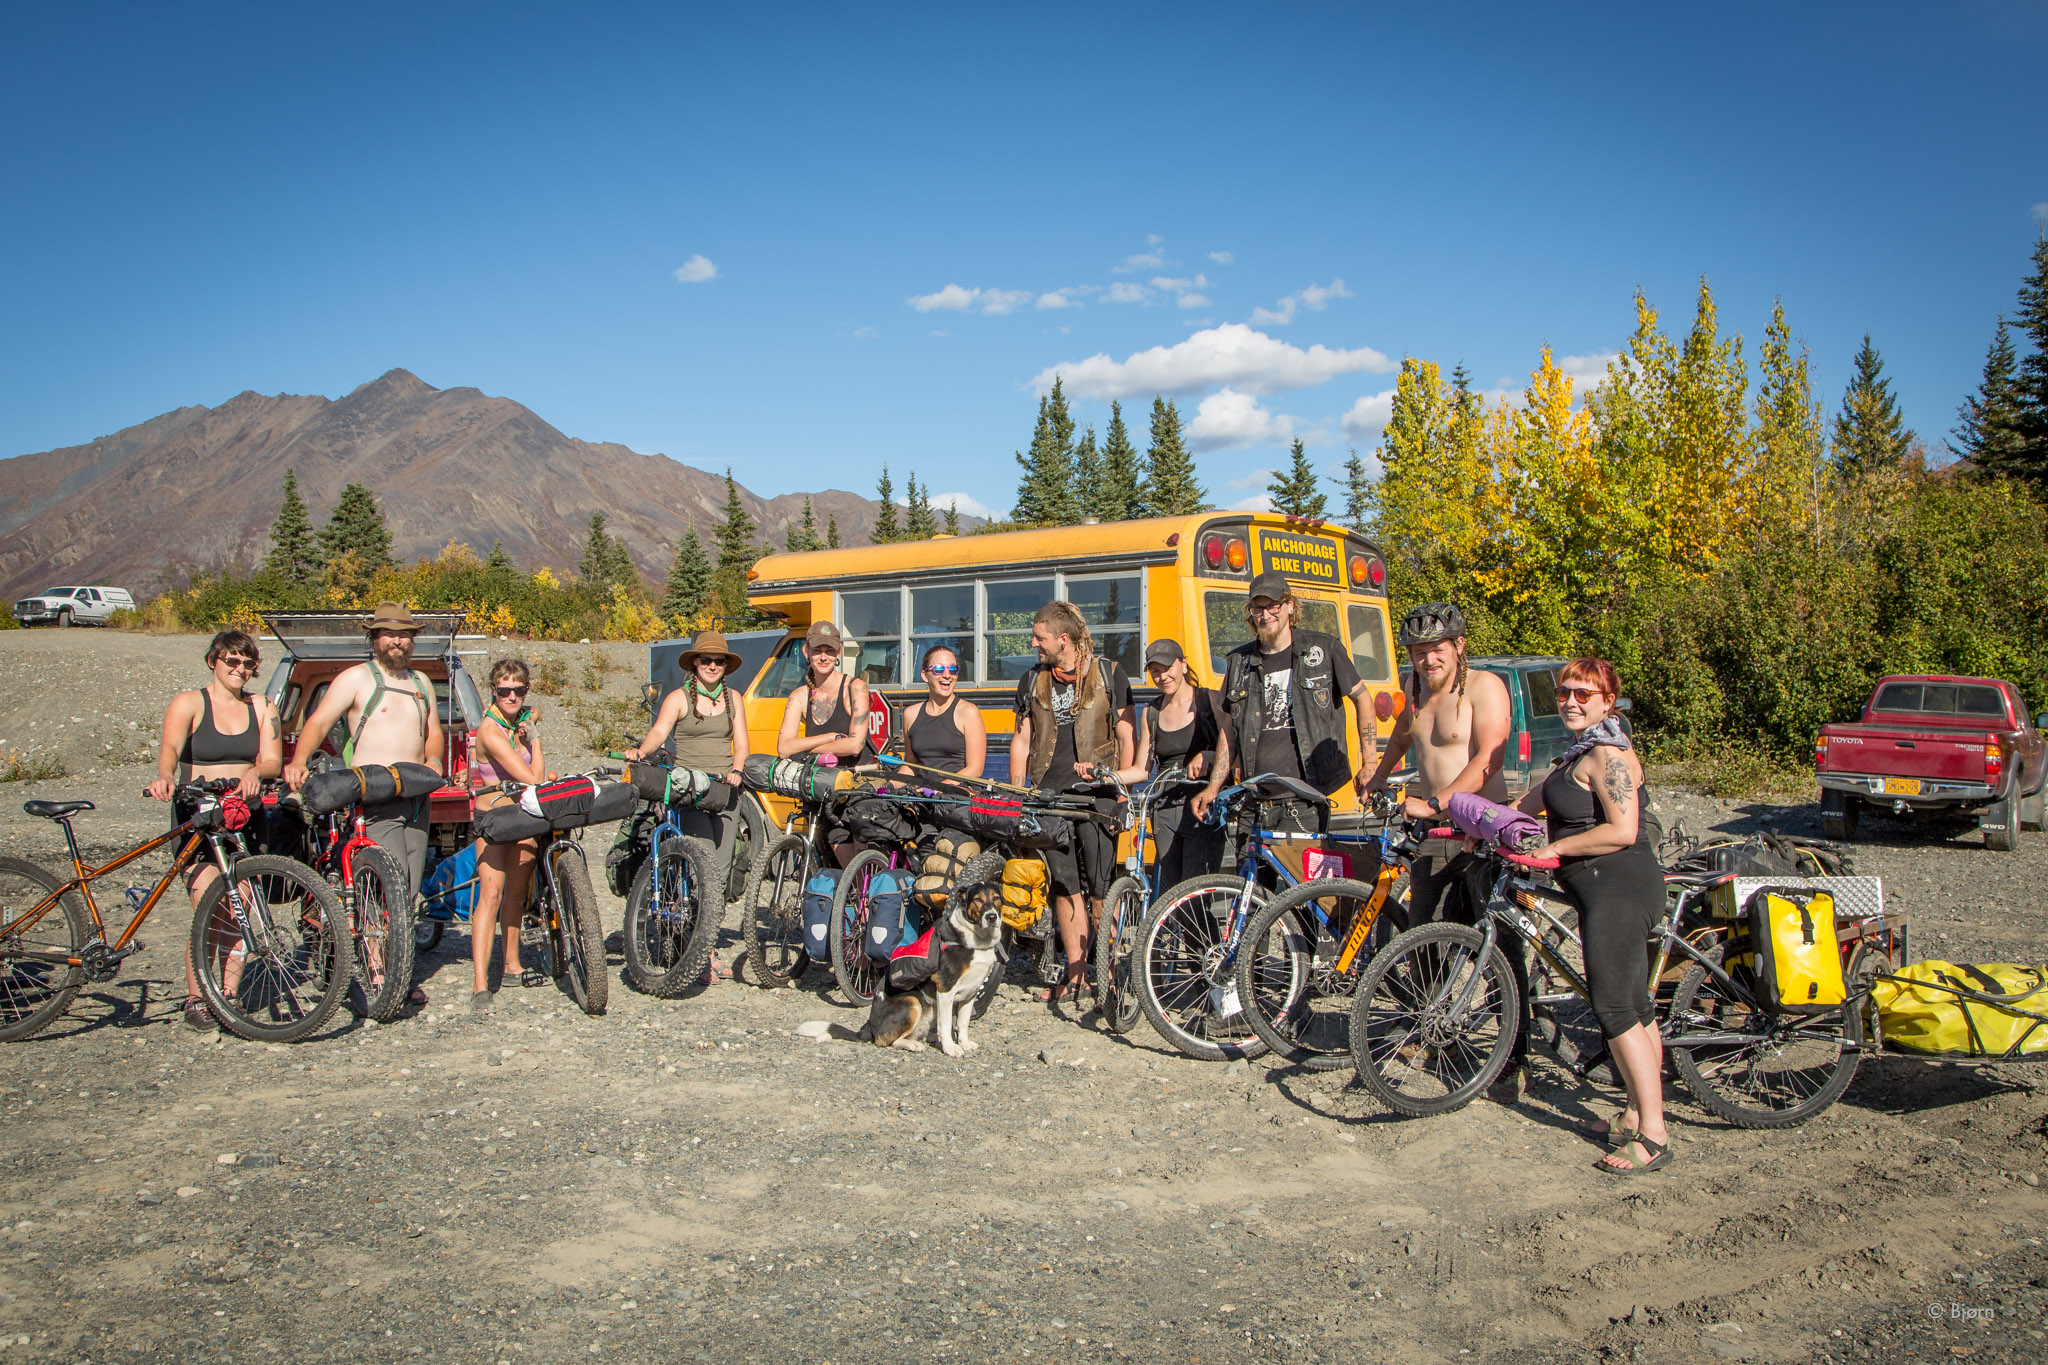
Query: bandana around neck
(1608, 732)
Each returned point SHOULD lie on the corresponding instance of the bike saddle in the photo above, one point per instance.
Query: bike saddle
(1273, 784)
(55, 810)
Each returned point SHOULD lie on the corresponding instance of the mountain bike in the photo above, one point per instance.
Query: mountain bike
(560, 924)
(673, 908)
(266, 942)
(374, 891)
(1126, 904)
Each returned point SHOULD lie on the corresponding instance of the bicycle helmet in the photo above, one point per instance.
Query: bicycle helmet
(1430, 622)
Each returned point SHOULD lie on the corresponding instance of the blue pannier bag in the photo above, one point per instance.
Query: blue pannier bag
(818, 915)
(450, 889)
(885, 914)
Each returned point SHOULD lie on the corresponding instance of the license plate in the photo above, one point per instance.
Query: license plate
(1902, 786)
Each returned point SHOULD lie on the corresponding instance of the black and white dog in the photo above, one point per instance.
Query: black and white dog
(968, 938)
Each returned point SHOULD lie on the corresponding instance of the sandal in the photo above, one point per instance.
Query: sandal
(1608, 1134)
(714, 970)
(1068, 986)
(415, 996)
(533, 976)
(198, 1017)
(1660, 1157)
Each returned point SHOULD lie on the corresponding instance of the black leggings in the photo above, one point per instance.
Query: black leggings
(1620, 898)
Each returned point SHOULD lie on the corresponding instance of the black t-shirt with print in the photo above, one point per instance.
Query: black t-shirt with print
(1276, 753)
(1060, 775)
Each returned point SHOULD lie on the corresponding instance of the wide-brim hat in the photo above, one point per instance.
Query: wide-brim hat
(392, 616)
(708, 643)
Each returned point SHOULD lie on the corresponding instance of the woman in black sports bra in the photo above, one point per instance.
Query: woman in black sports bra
(1180, 728)
(827, 714)
(216, 731)
(942, 731)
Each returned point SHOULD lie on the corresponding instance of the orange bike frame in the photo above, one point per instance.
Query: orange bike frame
(84, 877)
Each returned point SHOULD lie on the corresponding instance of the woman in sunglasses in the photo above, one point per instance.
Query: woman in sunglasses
(216, 731)
(1599, 830)
(508, 748)
(941, 731)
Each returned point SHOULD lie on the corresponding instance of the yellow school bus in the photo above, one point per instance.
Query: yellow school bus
(1182, 578)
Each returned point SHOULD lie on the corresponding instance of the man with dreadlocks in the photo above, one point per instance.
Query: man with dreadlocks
(1457, 722)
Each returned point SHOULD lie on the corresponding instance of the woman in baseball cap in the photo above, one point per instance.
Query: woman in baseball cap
(1180, 731)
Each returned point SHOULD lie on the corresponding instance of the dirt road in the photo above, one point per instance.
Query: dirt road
(692, 1180)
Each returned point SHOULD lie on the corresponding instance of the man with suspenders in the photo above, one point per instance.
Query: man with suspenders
(391, 719)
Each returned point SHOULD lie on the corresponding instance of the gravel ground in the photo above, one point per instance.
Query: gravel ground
(693, 1180)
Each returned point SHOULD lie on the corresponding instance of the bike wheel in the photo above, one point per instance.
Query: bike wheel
(671, 920)
(1560, 1018)
(1294, 998)
(380, 916)
(281, 981)
(859, 975)
(1782, 1070)
(1116, 995)
(34, 992)
(1415, 1045)
(426, 936)
(578, 932)
(1185, 973)
(773, 912)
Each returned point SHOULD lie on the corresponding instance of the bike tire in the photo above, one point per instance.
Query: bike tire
(1185, 984)
(580, 932)
(859, 975)
(1401, 1029)
(426, 936)
(32, 994)
(1116, 995)
(1728, 1080)
(773, 914)
(381, 932)
(300, 969)
(1286, 975)
(666, 949)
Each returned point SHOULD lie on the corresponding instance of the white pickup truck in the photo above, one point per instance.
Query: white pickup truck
(72, 606)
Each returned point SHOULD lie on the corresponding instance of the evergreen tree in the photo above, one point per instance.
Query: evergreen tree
(2028, 455)
(1045, 494)
(1870, 435)
(1358, 501)
(1296, 493)
(1987, 425)
(736, 554)
(831, 530)
(918, 523)
(886, 527)
(804, 535)
(356, 528)
(1088, 477)
(599, 566)
(689, 584)
(1117, 494)
(294, 557)
(952, 519)
(499, 562)
(1171, 489)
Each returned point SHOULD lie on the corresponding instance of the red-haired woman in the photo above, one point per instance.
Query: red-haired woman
(1594, 801)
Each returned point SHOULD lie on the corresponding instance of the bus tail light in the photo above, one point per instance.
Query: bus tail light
(1383, 705)
(1235, 551)
(1376, 575)
(1212, 551)
(1358, 571)
(1220, 553)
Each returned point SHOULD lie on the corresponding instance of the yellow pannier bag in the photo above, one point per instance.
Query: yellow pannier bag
(1024, 885)
(1798, 953)
(1940, 1007)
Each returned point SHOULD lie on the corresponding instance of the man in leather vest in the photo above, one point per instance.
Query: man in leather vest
(1074, 726)
(1283, 706)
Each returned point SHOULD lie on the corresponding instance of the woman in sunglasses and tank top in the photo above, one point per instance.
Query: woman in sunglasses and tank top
(214, 732)
(941, 731)
(507, 749)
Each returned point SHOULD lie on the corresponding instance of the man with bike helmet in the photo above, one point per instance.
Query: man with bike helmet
(1455, 725)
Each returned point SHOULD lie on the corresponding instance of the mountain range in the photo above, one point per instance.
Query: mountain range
(197, 488)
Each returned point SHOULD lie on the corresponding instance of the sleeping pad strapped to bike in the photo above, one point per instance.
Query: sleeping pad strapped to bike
(569, 803)
(327, 792)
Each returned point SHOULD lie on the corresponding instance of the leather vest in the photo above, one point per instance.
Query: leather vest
(1317, 709)
(1094, 719)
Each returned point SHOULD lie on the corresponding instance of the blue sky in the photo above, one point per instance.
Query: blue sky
(905, 216)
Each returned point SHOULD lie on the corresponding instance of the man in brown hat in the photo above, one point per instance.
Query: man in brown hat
(389, 708)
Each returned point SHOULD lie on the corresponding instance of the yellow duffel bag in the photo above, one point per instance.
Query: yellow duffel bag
(1940, 1007)
(1024, 891)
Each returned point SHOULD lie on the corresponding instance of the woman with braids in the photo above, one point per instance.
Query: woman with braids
(1074, 727)
(1599, 829)
(703, 724)
(508, 749)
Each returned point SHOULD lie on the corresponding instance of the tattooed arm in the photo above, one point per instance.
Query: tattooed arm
(1615, 777)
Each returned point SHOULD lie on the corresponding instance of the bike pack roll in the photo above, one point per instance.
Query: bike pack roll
(1504, 827)
(879, 821)
(570, 803)
(1024, 892)
(999, 820)
(325, 793)
(1798, 953)
(803, 778)
(940, 857)
(1944, 1008)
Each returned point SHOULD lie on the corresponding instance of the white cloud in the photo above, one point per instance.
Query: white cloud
(1056, 299)
(1222, 257)
(1228, 418)
(865, 333)
(1318, 297)
(1369, 416)
(1192, 301)
(1232, 354)
(1315, 298)
(1280, 317)
(964, 503)
(1586, 370)
(951, 299)
(1002, 301)
(1123, 291)
(696, 270)
(1153, 239)
(2040, 212)
(1174, 285)
(1143, 260)
(1069, 295)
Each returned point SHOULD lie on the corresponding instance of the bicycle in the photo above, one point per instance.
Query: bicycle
(1126, 904)
(265, 945)
(1187, 946)
(1437, 1013)
(560, 924)
(373, 890)
(669, 929)
(771, 906)
(1302, 956)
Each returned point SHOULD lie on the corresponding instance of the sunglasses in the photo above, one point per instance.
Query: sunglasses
(509, 691)
(1581, 695)
(235, 663)
(943, 670)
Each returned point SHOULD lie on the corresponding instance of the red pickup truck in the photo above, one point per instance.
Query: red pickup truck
(1936, 745)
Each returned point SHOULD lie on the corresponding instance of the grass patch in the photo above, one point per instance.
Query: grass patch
(19, 768)
(550, 676)
(1732, 773)
(609, 724)
(599, 668)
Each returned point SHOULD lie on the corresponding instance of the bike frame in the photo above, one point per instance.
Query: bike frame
(1259, 855)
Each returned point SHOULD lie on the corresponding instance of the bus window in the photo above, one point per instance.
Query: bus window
(1369, 642)
(785, 672)
(1110, 605)
(1007, 653)
(873, 622)
(943, 615)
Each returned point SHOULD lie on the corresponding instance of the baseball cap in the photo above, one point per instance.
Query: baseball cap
(1271, 584)
(1161, 653)
(824, 633)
